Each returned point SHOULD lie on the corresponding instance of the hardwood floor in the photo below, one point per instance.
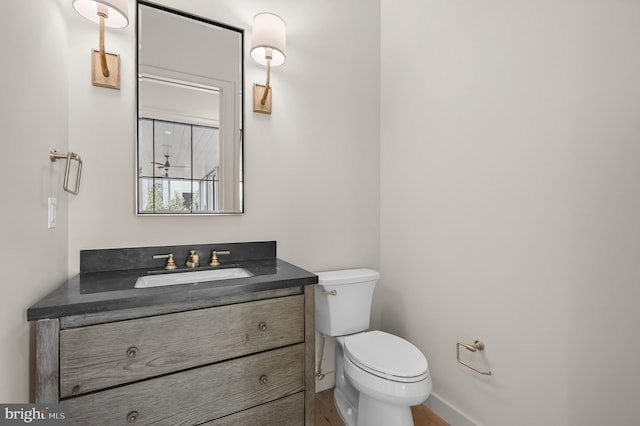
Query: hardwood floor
(327, 413)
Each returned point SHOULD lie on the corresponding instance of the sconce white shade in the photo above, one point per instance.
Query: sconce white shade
(269, 32)
(116, 11)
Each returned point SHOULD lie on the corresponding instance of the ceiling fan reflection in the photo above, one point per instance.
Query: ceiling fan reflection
(166, 164)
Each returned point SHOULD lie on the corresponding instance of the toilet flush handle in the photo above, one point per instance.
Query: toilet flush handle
(330, 293)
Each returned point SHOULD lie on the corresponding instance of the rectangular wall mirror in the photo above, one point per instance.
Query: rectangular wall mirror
(190, 114)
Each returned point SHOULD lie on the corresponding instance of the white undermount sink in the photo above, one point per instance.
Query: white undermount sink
(193, 277)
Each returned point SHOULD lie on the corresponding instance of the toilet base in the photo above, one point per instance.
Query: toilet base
(348, 412)
(373, 412)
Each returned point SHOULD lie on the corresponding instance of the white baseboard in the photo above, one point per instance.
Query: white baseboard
(328, 382)
(447, 412)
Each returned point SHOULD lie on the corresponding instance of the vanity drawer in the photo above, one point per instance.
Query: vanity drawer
(198, 395)
(288, 411)
(101, 356)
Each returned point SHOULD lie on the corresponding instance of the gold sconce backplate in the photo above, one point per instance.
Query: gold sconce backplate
(258, 93)
(113, 63)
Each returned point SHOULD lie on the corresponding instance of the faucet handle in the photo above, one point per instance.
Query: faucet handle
(171, 264)
(214, 257)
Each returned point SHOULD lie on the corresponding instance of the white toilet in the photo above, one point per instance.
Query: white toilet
(379, 376)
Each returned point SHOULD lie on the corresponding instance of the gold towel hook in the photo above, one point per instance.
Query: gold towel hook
(478, 345)
(55, 155)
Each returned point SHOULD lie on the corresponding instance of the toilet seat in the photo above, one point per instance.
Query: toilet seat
(386, 356)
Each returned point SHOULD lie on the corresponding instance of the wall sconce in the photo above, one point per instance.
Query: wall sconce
(105, 67)
(268, 46)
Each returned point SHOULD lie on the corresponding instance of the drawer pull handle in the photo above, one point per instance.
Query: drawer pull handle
(75, 390)
(131, 353)
(264, 379)
(132, 416)
(262, 326)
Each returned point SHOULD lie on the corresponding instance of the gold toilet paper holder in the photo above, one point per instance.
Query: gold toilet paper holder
(478, 345)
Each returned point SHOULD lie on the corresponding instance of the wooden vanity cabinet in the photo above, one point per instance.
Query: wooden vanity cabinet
(249, 362)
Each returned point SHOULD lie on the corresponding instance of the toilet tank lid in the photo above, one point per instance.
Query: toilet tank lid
(347, 276)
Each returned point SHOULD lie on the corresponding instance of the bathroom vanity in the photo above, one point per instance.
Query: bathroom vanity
(227, 352)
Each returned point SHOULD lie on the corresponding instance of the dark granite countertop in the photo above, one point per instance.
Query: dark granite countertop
(95, 291)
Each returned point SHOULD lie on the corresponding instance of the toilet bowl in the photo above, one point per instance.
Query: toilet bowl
(390, 375)
(379, 376)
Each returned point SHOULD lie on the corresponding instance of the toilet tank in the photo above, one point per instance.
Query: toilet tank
(349, 310)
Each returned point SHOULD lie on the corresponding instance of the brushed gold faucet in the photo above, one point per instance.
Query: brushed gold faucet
(193, 261)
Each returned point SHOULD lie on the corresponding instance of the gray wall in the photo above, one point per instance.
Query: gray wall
(34, 120)
(510, 204)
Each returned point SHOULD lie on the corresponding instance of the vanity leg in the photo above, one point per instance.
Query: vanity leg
(310, 355)
(47, 362)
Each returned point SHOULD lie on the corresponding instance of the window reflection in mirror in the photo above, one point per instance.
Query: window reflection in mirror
(185, 182)
(190, 111)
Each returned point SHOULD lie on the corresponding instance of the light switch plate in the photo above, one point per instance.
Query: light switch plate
(52, 212)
